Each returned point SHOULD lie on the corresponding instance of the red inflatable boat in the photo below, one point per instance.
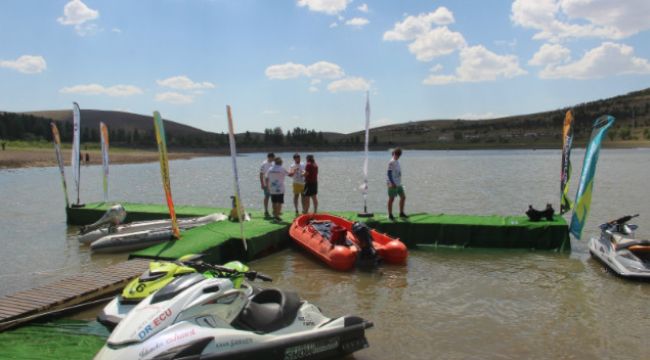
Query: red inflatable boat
(332, 239)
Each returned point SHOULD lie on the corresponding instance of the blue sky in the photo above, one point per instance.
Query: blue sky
(308, 63)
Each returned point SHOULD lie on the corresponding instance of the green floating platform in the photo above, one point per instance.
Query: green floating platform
(222, 242)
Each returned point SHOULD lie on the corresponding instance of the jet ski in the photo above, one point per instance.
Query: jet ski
(620, 250)
(161, 273)
(194, 317)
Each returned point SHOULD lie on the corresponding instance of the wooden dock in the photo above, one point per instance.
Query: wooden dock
(75, 290)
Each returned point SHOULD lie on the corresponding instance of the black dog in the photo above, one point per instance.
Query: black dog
(537, 215)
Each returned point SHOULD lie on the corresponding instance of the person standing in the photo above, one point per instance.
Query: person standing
(311, 185)
(266, 165)
(394, 182)
(275, 177)
(297, 169)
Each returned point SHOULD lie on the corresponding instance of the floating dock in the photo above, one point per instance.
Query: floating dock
(222, 240)
(75, 290)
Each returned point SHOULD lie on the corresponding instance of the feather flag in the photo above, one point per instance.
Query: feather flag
(565, 174)
(586, 187)
(164, 170)
(76, 151)
(56, 138)
(103, 131)
(233, 154)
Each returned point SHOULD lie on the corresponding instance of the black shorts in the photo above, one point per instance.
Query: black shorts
(277, 198)
(311, 189)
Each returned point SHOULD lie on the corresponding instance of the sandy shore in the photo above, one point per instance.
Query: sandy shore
(19, 158)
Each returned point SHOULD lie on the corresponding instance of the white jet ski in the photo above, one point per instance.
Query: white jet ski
(198, 318)
(620, 250)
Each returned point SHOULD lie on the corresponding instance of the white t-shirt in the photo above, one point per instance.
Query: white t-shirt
(395, 171)
(298, 178)
(265, 167)
(275, 178)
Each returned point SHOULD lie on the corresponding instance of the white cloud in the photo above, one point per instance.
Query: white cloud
(349, 84)
(285, 71)
(184, 83)
(270, 112)
(116, 30)
(96, 89)
(330, 7)
(436, 68)
(437, 42)
(479, 64)
(77, 13)
(413, 26)
(318, 70)
(550, 54)
(556, 20)
(313, 89)
(333, 25)
(608, 59)
(357, 21)
(363, 7)
(26, 64)
(174, 98)
(324, 70)
(315, 81)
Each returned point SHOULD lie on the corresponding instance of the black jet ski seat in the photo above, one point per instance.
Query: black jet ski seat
(269, 310)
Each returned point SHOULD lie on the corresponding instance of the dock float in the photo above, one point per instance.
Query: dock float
(26, 305)
(223, 241)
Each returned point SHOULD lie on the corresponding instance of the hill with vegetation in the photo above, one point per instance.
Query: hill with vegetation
(539, 130)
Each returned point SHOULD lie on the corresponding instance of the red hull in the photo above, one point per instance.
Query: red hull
(341, 257)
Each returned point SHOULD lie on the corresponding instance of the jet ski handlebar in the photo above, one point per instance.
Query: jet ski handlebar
(622, 220)
(228, 272)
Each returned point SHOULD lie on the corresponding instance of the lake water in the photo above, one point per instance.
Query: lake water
(446, 303)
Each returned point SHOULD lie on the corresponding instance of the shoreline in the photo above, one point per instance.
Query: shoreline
(27, 157)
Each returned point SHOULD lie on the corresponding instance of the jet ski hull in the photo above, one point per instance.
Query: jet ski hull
(618, 261)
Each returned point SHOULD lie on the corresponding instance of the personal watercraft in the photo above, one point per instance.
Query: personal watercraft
(620, 250)
(161, 273)
(194, 317)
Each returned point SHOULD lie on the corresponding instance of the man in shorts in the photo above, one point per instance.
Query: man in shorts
(311, 185)
(266, 165)
(298, 180)
(394, 182)
(275, 179)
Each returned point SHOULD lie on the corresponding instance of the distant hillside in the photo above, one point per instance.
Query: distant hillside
(632, 113)
(632, 128)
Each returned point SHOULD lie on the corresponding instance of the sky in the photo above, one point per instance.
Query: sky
(310, 63)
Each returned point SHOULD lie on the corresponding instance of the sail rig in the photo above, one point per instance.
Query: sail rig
(56, 138)
(164, 170)
(364, 186)
(233, 154)
(76, 153)
(586, 187)
(565, 174)
(103, 131)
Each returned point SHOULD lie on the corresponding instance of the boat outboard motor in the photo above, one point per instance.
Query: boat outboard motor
(368, 254)
(113, 216)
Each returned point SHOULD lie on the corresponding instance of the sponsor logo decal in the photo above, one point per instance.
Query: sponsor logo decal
(142, 334)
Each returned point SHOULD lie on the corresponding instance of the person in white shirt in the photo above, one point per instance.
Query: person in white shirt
(394, 182)
(275, 177)
(266, 165)
(297, 169)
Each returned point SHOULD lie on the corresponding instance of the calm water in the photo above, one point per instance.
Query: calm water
(447, 303)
